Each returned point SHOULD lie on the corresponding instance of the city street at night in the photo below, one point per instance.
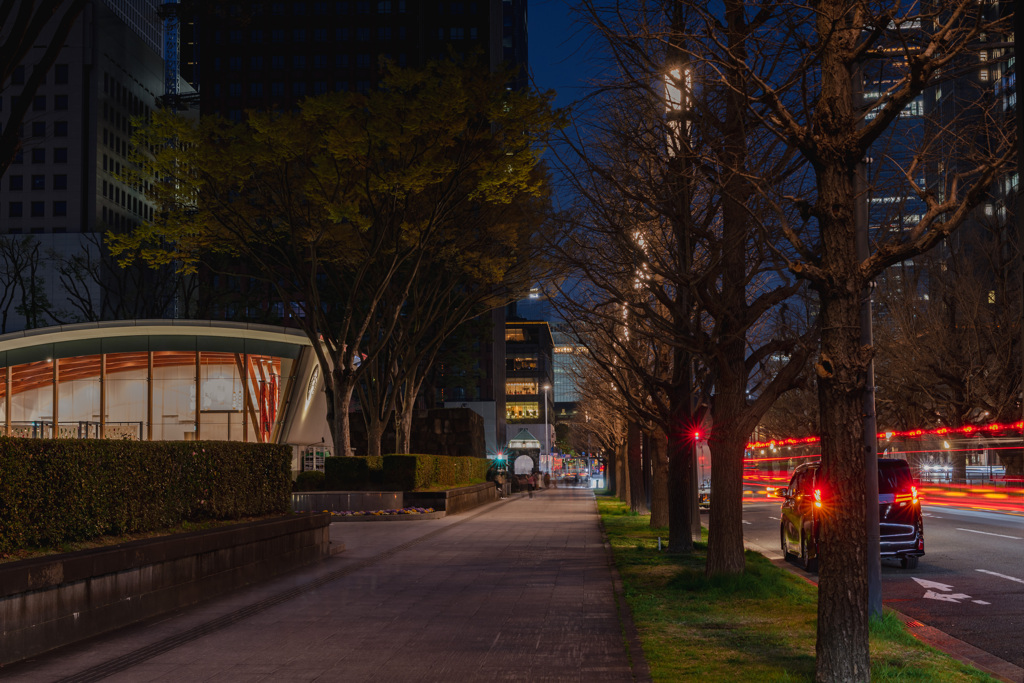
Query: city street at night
(969, 584)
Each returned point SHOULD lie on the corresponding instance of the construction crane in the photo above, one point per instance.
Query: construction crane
(173, 98)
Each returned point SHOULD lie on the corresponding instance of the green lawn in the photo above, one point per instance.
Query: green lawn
(756, 627)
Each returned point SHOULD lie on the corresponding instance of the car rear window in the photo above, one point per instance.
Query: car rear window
(894, 477)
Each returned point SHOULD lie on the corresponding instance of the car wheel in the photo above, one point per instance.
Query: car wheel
(809, 564)
(785, 546)
(908, 562)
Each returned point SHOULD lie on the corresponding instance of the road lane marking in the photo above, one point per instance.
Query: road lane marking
(1001, 576)
(947, 597)
(973, 531)
(746, 522)
(925, 583)
(775, 518)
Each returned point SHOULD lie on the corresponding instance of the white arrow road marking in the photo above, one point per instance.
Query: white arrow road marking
(946, 597)
(932, 584)
(981, 602)
(1001, 576)
(973, 531)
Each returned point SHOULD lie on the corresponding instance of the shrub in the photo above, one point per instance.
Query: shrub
(353, 473)
(412, 472)
(309, 481)
(65, 490)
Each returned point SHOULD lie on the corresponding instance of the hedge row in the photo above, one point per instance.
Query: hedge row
(402, 472)
(59, 491)
(358, 473)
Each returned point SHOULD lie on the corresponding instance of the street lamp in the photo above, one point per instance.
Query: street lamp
(547, 433)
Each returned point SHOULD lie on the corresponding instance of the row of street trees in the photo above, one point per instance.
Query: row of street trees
(384, 221)
(720, 176)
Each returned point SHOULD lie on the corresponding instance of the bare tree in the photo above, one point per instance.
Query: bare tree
(96, 288)
(813, 88)
(949, 337)
(16, 254)
(819, 109)
(672, 233)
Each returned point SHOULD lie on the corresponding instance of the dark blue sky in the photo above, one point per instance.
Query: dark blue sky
(557, 55)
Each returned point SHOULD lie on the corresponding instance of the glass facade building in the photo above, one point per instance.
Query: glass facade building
(161, 380)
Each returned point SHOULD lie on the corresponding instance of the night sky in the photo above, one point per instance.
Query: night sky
(558, 58)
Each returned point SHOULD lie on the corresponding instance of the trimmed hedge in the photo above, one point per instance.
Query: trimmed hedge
(412, 472)
(402, 472)
(65, 490)
(309, 481)
(353, 473)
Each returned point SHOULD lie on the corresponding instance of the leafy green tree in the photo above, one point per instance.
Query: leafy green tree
(342, 204)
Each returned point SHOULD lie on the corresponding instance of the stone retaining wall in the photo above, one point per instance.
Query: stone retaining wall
(52, 601)
(453, 501)
(340, 501)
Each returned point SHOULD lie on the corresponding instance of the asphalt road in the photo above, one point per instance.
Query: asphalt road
(969, 584)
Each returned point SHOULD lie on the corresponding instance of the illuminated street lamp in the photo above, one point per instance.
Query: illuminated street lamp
(547, 433)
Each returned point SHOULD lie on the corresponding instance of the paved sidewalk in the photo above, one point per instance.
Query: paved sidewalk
(518, 590)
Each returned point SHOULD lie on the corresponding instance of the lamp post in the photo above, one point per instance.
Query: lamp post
(547, 433)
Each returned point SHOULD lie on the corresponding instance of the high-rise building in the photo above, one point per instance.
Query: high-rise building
(68, 183)
(264, 55)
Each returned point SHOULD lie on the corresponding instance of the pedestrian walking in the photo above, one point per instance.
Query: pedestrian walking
(530, 483)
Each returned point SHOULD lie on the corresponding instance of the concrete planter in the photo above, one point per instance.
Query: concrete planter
(453, 501)
(49, 602)
(341, 501)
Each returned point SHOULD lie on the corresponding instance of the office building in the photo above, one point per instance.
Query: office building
(68, 184)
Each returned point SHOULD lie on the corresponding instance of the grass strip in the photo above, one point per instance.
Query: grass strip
(758, 626)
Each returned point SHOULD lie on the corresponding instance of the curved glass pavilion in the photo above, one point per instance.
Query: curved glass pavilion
(162, 380)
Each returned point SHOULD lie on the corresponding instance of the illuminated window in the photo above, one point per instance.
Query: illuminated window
(515, 334)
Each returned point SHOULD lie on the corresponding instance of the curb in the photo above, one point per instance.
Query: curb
(639, 667)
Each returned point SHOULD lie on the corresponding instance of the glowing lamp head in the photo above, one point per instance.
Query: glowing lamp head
(817, 498)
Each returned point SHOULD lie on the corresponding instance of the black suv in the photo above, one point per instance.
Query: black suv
(901, 527)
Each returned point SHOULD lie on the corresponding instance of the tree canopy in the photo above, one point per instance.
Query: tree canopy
(345, 204)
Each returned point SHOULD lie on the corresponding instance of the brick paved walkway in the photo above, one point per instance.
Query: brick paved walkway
(518, 590)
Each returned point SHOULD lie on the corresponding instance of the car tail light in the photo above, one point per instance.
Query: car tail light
(913, 492)
(817, 498)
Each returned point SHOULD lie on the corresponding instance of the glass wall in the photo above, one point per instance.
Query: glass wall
(149, 387)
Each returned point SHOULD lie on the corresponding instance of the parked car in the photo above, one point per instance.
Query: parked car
(901, 525)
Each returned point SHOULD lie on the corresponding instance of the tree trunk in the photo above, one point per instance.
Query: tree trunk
(725, 519)
(680, 471)
(637, 494)
(404, 413)
(403, 431)
(374, 434)
(842, 649)
(339, 399)
(659, 479)
(843, 652)
(622, 478)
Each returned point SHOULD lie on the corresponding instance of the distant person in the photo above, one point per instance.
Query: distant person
(531, 482)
